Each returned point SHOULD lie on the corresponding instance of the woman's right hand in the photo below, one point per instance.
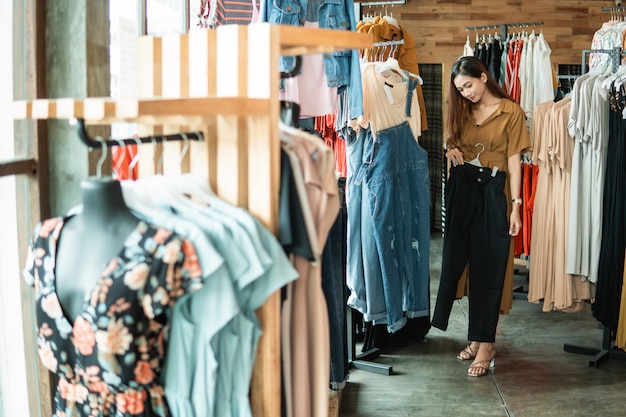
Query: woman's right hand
(455, 156)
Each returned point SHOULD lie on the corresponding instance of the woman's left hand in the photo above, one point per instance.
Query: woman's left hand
(515, 223)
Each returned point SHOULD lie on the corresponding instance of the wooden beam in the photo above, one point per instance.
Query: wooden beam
(18, 166)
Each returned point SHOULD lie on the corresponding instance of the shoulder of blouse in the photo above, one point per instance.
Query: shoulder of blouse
(510, 106)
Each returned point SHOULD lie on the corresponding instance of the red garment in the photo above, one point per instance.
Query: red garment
(122, 156)
(529, 188)
(325, 125)
(516, 86)
(519, 240)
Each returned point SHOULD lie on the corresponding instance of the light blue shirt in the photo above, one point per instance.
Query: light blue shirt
(215, 331)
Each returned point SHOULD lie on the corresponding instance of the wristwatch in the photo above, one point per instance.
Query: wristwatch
(516, 201)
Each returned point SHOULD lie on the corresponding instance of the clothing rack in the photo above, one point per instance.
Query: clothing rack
(504, 27)
(228, 89)
(615, 57)
(599, 354)
(363, 360)
(607, 350)
(613, 9)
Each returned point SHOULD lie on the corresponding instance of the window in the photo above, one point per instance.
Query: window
(161, 17)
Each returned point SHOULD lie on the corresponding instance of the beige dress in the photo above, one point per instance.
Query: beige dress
(554, 149)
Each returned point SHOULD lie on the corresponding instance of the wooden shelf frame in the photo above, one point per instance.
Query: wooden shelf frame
(225, 83)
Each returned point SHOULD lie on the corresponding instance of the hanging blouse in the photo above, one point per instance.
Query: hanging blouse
(109, 358)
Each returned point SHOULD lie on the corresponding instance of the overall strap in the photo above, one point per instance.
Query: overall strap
(409, 94)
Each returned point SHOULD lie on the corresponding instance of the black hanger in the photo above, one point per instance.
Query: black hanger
(297, 66)
(290, 111)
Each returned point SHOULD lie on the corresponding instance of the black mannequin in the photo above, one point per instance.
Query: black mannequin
(90, 240)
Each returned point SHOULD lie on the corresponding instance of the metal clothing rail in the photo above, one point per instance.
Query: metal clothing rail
(382, 3)
(389, 43)
(615, 57)
(109, 143)
(504, 27)
(508, 25)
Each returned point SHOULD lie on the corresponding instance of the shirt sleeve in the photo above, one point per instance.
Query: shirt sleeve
(518, 137)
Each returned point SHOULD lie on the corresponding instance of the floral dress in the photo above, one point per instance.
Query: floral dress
(109, 359)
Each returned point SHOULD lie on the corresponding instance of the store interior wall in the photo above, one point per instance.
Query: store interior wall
(438, 26)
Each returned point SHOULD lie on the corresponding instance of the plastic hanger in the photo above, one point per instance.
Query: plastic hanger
(120, 162)
(391, 20)
(476, 161)
(135, 159)
(103, 155)
(391, 64)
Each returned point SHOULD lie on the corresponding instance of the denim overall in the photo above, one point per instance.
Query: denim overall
(389, 224)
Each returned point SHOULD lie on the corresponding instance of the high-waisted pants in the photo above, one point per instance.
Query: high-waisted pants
(476, 232)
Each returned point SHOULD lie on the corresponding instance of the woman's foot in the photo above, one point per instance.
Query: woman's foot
(468, 352)
(484, 360)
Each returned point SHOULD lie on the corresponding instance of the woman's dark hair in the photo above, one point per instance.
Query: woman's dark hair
(458, 106)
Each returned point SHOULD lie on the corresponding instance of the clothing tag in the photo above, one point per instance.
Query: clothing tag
(388, 93)
(494, 171)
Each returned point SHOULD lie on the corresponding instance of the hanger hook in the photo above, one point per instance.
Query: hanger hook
(121, 158)
(185, 147)
(135, 159)
(160, 162)
(482, 150)
(103, 155)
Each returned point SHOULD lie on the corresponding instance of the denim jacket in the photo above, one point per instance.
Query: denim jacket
(342, 67)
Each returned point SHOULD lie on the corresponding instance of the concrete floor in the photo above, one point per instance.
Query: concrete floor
(533, 377)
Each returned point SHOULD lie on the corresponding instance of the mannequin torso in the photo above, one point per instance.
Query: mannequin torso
(89, 241)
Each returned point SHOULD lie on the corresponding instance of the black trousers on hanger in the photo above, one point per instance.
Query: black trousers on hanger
(476, 231)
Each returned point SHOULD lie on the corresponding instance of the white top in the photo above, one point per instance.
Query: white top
(384, 101)
(542, 71)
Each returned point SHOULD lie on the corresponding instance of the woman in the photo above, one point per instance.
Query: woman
(487, 134)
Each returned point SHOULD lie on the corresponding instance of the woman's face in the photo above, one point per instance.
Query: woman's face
(471, 88)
